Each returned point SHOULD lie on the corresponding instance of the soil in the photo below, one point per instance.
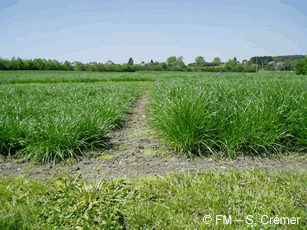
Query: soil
(136, 151)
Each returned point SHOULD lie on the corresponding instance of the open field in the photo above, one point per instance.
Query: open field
(130, 177)
(22, 77)
(45, 77)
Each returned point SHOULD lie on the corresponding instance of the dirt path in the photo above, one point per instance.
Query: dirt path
(136, 152)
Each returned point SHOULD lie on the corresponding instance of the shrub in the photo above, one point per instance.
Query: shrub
(301, 67)
(157, 68)
(286, 66)
(110, 68)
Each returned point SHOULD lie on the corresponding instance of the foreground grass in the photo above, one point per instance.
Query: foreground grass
(56, 122)
(178, 201)
(232, 113)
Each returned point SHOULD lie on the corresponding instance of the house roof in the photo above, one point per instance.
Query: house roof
(279, 63)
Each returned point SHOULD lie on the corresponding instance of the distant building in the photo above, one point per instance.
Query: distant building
(217, 63)
(109, 63)
(278, 64)
(287, 57)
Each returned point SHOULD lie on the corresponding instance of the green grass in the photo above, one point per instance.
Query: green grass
(232, 113)
(178, 201)
(23, 77)
(59, 121)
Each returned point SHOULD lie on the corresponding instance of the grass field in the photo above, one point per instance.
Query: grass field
(232, 114)
(52, 122)
(22, 77)
(195, 112)
(46, 77)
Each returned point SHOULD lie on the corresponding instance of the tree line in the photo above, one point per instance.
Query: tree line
(172, 64)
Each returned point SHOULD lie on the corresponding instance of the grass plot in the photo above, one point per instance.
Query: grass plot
(232, 113)
(52, 122)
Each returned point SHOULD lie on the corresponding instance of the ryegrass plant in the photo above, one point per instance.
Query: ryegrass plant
(53, 122)
(232, 113)
(177, 201)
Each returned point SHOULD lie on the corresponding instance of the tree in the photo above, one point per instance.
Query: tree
(240, 68)
(2, 66)
(217, 59)
(164, 66)
(67, 66)
(171, 60)
(228, 65)
(20, 64)
(38, 64)
(200, 60)
(301, 67)
(29, 65)
(182, 65)
(49, 65)
(11, 65)
(130, 62)
(57, 65)
(266, 64)
(234, 62)
(286, 66)
(79, 67)
(151, 62)
(180, 61)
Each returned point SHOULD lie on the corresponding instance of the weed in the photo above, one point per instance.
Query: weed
(106, 157)
(176, 201)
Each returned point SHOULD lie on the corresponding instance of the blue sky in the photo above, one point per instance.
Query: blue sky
(152, 30)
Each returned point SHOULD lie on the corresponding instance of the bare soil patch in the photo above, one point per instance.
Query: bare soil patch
(135, 151)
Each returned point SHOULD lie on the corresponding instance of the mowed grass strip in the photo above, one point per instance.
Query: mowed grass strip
(178, 201)
(232, 113)
(56, 122)
(23, 77)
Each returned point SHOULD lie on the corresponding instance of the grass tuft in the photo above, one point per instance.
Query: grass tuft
(232, 113)
(58, 122)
